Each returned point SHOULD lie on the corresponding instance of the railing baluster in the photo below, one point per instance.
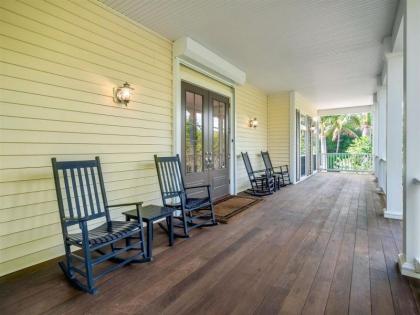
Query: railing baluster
(360, 162)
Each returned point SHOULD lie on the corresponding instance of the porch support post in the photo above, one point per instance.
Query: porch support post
(381, 107)
(375, 135)
(409, 260)
(394, 135)
(293, 135)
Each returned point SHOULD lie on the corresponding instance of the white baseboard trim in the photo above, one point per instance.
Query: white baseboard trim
(392, 215)
(408, 269)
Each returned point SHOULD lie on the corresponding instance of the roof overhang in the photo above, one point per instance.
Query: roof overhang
(345, 110)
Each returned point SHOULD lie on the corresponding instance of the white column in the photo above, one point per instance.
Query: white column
(375, 134)
(382, 138)
(411, 188)
(292, 133)
(394, 135)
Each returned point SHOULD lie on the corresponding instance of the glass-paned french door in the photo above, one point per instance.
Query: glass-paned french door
(314, 140)
(194, 133)
(305, 145)
(205, 142)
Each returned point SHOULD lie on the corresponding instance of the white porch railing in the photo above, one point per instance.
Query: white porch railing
(335, 162)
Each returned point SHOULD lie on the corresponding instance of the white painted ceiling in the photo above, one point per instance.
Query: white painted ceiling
(328, 50)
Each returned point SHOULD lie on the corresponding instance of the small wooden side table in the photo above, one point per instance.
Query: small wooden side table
(149, 215)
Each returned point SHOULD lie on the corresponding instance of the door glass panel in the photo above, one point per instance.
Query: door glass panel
(303, 145)
(193, 133)
(314, 139)
(219, 134)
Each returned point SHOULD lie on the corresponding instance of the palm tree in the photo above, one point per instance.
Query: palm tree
(366, 123)
(335, 126)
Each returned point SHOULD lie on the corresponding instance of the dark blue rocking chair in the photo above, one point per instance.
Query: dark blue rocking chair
(85, 201)
(280, 173)
(194, 212)
(262, 183)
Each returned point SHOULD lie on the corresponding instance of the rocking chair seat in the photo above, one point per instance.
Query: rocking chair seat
(192, 203)
(106, 232)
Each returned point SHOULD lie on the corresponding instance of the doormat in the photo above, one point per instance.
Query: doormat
(227, 208)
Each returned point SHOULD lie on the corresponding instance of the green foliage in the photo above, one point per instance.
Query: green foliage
(360, 145)
(345, 142)
(341, 130)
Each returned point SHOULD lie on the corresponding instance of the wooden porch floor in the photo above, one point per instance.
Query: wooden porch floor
(321, 246)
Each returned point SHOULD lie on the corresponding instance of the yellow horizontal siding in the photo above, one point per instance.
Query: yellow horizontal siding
(59, 62)
(279, 128)
(250, 103)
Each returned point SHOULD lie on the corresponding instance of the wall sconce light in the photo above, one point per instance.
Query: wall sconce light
(122, 94)
(253, 123)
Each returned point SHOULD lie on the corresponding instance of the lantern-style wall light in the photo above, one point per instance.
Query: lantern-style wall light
(122, 94)
(253, 123)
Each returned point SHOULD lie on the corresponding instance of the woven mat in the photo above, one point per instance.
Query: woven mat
(227, 208)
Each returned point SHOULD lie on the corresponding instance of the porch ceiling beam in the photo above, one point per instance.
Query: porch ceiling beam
(397, 40)
(345, 110)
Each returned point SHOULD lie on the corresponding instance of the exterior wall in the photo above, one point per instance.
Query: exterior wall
(250, 102)
(279, 128)
(59, 63)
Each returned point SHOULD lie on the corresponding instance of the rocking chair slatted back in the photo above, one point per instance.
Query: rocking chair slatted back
(170, 177)
(248, 166)
(267, 161)
(84, 190)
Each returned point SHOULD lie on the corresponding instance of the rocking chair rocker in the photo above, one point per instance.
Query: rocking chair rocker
(85, 200)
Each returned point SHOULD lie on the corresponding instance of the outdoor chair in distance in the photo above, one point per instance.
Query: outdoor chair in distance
(280, 173)
(193, 212)
(284, 169)
(262, 183)
(82, 199)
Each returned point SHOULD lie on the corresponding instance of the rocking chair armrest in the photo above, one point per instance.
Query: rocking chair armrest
(262, 179)
(199, 186)
(139, 203)
(75, 220)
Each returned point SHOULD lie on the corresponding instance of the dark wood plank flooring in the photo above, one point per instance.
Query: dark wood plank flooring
(322, 246)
